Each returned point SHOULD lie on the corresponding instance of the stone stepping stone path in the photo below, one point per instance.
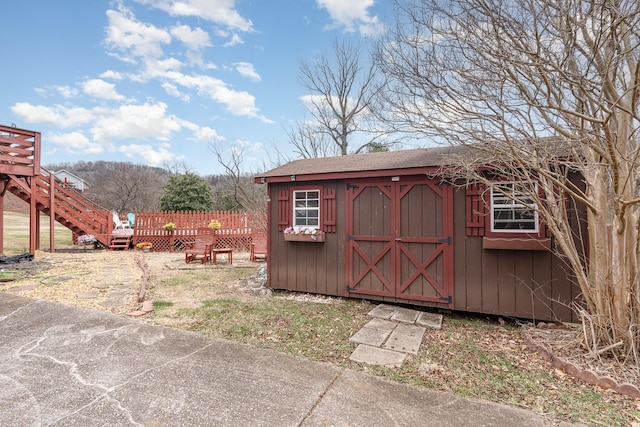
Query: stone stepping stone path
(392, 334)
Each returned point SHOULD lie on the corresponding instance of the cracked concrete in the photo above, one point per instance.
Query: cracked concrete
(68, 366)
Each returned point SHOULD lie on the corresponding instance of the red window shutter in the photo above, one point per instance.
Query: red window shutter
(476, 210)
(328, 210)
(284, 209)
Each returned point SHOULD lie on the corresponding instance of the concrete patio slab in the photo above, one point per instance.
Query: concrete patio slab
(405, 315)
(378, 356)
(430, 320)
(405, 338)
(382, 311)
(371, 336)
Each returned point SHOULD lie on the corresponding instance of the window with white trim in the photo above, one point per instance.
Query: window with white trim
(513, 209)
(306, 208)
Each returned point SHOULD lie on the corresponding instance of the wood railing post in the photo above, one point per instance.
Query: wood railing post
(52, 213)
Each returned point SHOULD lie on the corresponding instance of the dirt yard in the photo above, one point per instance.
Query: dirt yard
(111, 280)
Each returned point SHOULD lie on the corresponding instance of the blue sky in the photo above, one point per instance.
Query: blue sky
(157, 81)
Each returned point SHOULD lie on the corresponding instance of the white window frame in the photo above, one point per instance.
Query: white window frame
(307, 205)
(512, 204)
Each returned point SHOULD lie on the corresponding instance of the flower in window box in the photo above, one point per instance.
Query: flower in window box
(214, 224)
(313, 233)
(170, 226)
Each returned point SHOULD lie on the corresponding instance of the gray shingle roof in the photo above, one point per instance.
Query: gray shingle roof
(392, 160)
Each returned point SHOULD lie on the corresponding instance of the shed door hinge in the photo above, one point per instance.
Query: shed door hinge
(446, 240)
(446, 299)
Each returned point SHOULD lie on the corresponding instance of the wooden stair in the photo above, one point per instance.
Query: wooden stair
(21, 174)
(71, 208)
(120, 242)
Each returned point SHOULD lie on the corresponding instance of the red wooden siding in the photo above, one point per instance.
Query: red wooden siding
(307, 266)
(528, 284)
(517, 283)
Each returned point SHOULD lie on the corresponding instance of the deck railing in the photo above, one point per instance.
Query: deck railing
(19, 151)
(236, 228)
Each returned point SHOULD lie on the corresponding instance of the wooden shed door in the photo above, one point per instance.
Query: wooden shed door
(400, 240)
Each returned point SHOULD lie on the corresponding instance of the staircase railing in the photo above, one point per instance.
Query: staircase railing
(71, 208)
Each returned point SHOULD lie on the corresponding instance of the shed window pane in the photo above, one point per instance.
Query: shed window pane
(306, 209)
(513, 209)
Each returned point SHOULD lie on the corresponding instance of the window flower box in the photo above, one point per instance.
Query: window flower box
(303, 234)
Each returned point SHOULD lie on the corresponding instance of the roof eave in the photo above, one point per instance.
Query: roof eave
(328, 176)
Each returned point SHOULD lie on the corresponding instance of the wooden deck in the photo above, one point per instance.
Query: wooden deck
(22, 175)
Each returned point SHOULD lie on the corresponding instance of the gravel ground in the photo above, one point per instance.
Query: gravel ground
(96, 279)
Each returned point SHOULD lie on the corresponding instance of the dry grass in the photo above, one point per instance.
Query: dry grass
(16, 234)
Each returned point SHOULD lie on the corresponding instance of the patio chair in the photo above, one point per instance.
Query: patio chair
(132, 219)
(200, 249)
(258, 247)
(119, 224)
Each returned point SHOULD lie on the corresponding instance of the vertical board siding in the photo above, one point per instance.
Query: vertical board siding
(495, 282)
(526, 284)
(307, 266)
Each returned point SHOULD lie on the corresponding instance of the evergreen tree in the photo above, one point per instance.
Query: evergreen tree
(186, 192)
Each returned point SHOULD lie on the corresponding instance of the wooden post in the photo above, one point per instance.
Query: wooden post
(6, 184)
(33, 217)
(52, 213)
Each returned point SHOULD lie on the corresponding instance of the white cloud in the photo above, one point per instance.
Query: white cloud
(234, 41)
(172, 90)
(206, 134)
(66, 91)
(151, 156)
(100, 89)
(239, 103)
(58, 115)
(139, 121)
(156, 68)
(219, 11)
(246, 70)
(75, 143)
(134, 38)
(196, 39)
(112, 75)
(352, 14)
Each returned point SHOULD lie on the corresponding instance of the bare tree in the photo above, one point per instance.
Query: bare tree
(309, 142)
(539, 89)
(238, 189)
(126, 187)
(341, 90)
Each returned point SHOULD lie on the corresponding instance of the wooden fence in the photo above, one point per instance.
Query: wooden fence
(235, 232)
